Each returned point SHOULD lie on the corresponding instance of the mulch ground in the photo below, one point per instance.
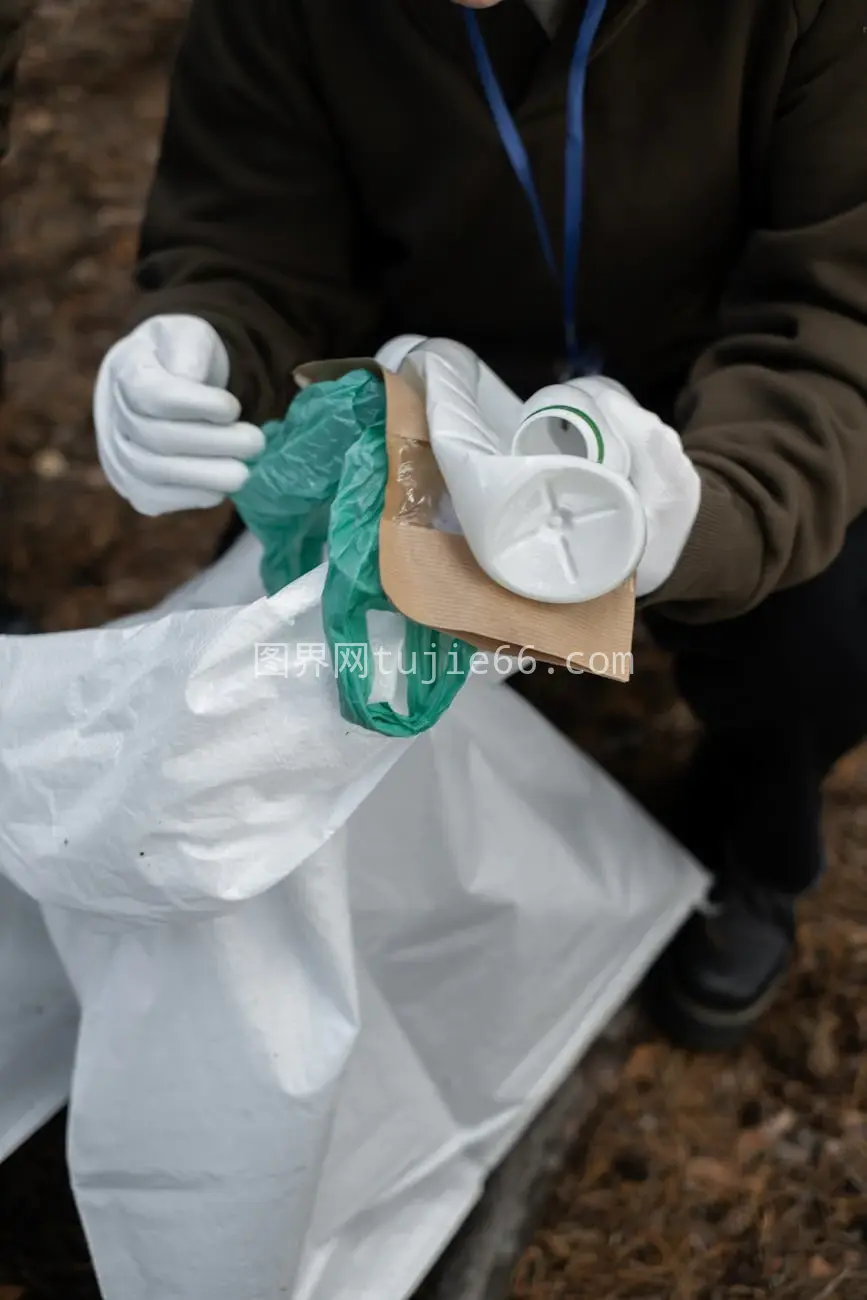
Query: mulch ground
(696, 1179)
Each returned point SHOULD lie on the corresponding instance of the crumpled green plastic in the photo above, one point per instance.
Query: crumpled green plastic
(321, 482)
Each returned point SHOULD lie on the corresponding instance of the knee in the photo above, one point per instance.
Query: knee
(802, 649)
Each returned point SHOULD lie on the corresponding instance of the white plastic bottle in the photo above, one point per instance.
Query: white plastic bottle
(574, 529)
(541, 491)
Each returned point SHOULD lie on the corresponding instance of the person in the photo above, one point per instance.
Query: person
(673, 195)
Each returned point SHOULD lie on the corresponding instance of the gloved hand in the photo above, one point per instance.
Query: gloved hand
(169, 435)
(548, 527)
(665, 479)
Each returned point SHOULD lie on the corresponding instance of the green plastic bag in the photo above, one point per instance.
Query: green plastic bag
(286, 501)
(321, 481)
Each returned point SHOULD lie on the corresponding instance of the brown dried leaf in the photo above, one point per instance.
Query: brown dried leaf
(755, 1141)
(642, 1066)
(705, 1170)
(820, 1268)
(556, 1245)
(824, 1059)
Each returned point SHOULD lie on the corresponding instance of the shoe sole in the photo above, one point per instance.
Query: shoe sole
(702, 1029)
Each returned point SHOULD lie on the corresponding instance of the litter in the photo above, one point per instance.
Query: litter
(548, 513)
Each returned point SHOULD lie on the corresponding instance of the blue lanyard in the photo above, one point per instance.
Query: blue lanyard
(574, 186)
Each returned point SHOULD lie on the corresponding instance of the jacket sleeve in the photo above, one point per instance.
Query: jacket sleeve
(775, 414)
(250, 222)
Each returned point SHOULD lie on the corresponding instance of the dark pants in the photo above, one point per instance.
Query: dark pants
(782, 694)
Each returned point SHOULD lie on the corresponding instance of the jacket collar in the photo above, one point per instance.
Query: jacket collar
(532, 68)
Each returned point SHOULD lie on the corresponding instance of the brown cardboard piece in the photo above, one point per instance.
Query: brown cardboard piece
(431, 576)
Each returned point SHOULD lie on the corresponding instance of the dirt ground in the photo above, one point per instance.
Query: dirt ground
(696, 1180)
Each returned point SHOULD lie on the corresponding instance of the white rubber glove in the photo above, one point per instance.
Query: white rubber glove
(665, 479)
(169, 435)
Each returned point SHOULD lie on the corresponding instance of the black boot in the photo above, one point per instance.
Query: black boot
(724, 968)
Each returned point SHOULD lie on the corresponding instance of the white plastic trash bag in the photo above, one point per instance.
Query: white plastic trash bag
(38, 1018)
(326, 978)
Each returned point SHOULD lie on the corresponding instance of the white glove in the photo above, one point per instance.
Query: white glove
(168, 433)
(665, 479)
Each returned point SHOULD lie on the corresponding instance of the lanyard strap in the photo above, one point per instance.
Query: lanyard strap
(574, 159)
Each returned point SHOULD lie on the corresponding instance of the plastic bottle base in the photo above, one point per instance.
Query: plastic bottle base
(568, 535)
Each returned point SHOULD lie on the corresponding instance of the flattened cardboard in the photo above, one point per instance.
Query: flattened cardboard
(431, 576)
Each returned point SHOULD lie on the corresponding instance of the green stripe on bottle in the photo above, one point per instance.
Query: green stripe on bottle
(582, 415)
